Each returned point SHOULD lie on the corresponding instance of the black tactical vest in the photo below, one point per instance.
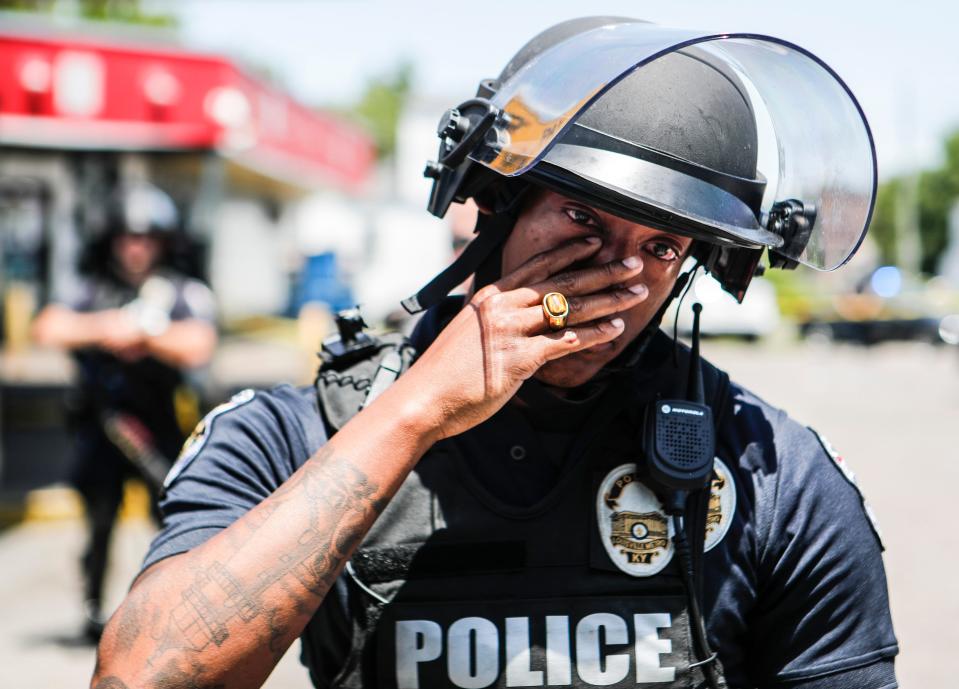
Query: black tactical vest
(453, 588)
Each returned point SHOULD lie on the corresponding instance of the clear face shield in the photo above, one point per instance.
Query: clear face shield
(816, 150)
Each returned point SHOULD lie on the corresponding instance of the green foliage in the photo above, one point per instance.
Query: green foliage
(382, 104)
(27, 5)
(935, 192)
(123, 11)
(799, 294)
(883, 227)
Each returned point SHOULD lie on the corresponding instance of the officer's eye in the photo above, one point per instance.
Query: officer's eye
(582, 217)
(664, 251)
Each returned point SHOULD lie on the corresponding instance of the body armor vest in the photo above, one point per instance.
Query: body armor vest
(453, 588)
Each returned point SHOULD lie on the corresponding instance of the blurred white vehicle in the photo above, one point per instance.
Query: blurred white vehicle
(756, 317)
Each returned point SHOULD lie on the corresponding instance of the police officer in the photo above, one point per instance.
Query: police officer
(134, 327)
(527, 504)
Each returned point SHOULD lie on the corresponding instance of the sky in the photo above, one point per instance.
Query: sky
(901, 60)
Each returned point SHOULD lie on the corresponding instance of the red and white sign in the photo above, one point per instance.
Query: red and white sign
(85, 94)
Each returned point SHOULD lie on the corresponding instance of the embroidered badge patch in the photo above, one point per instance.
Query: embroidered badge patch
(722, 504)
(850, 476)
(633, 526)
(197, 439)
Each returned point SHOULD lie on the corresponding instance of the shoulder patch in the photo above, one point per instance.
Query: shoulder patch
(197, 439)
(850, 477)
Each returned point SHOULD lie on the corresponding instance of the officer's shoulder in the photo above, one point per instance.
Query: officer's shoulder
(769, 437)
(283, 419)
(284, 405)
(182, 281)
(284, 410)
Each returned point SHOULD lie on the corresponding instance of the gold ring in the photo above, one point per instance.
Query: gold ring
(556, 310)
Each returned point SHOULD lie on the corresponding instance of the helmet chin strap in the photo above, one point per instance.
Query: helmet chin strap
(492, 231)
(481, 257)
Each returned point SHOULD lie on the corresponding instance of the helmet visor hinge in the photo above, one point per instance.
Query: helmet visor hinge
(793, 221)
(460, 130)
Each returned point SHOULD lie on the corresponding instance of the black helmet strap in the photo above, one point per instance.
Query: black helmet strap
(481, 256)
(475, 253)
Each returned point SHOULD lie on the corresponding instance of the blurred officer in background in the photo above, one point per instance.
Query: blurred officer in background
(555, 493)
(135, 326)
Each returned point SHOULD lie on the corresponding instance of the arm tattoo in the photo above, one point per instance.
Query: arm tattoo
(111, 683)
(341, 503)
(173, 676)
(130, 625)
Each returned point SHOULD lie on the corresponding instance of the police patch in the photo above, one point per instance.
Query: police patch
(722, 504)
(850, 476)
(618, 642)
(633, 526)
(197, 439)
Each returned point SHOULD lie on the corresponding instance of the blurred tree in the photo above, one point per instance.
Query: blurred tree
(935, 193)
(125, 11)
(381, 105)
(883, 227)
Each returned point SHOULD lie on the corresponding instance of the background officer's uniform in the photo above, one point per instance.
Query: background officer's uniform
(143, 390)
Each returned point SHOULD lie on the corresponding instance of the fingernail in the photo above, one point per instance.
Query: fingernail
(637, 289)
(592, 240)
(632, 262)
(617, 323)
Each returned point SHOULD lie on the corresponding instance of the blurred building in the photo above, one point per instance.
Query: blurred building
(82, 111)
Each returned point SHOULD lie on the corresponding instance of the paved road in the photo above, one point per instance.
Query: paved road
(39, 600)
(892, 411)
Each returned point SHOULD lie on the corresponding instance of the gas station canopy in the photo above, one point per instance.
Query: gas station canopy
(91, 94)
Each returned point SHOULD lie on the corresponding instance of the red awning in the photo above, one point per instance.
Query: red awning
(88, 94)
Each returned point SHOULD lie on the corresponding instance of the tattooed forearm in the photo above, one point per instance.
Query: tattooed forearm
(129, 625)
(172, 676)
(340, 503)
(225, 613)
(110, 683)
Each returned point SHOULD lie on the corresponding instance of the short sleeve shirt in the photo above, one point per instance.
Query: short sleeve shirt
(144, 387)
(796, 597)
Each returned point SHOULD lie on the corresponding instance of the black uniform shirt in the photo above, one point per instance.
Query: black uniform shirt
(795, 593)
(145, 386)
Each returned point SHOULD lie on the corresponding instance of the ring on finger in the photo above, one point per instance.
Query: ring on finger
(556, 310)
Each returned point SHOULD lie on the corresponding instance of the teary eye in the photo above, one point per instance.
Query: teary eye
(663, 251)
(582, 217)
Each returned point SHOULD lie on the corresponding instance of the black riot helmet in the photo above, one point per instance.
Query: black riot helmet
(139, 208)
(667, 127)
(142, 208)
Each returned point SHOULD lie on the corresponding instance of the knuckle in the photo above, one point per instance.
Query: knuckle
(565, 281)
(485, 293)
(540, 262)
(503, 322)
(617, 297)
(575, 304)
(601, 327)
(495, 301)
(491, 304)
(495, 315)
